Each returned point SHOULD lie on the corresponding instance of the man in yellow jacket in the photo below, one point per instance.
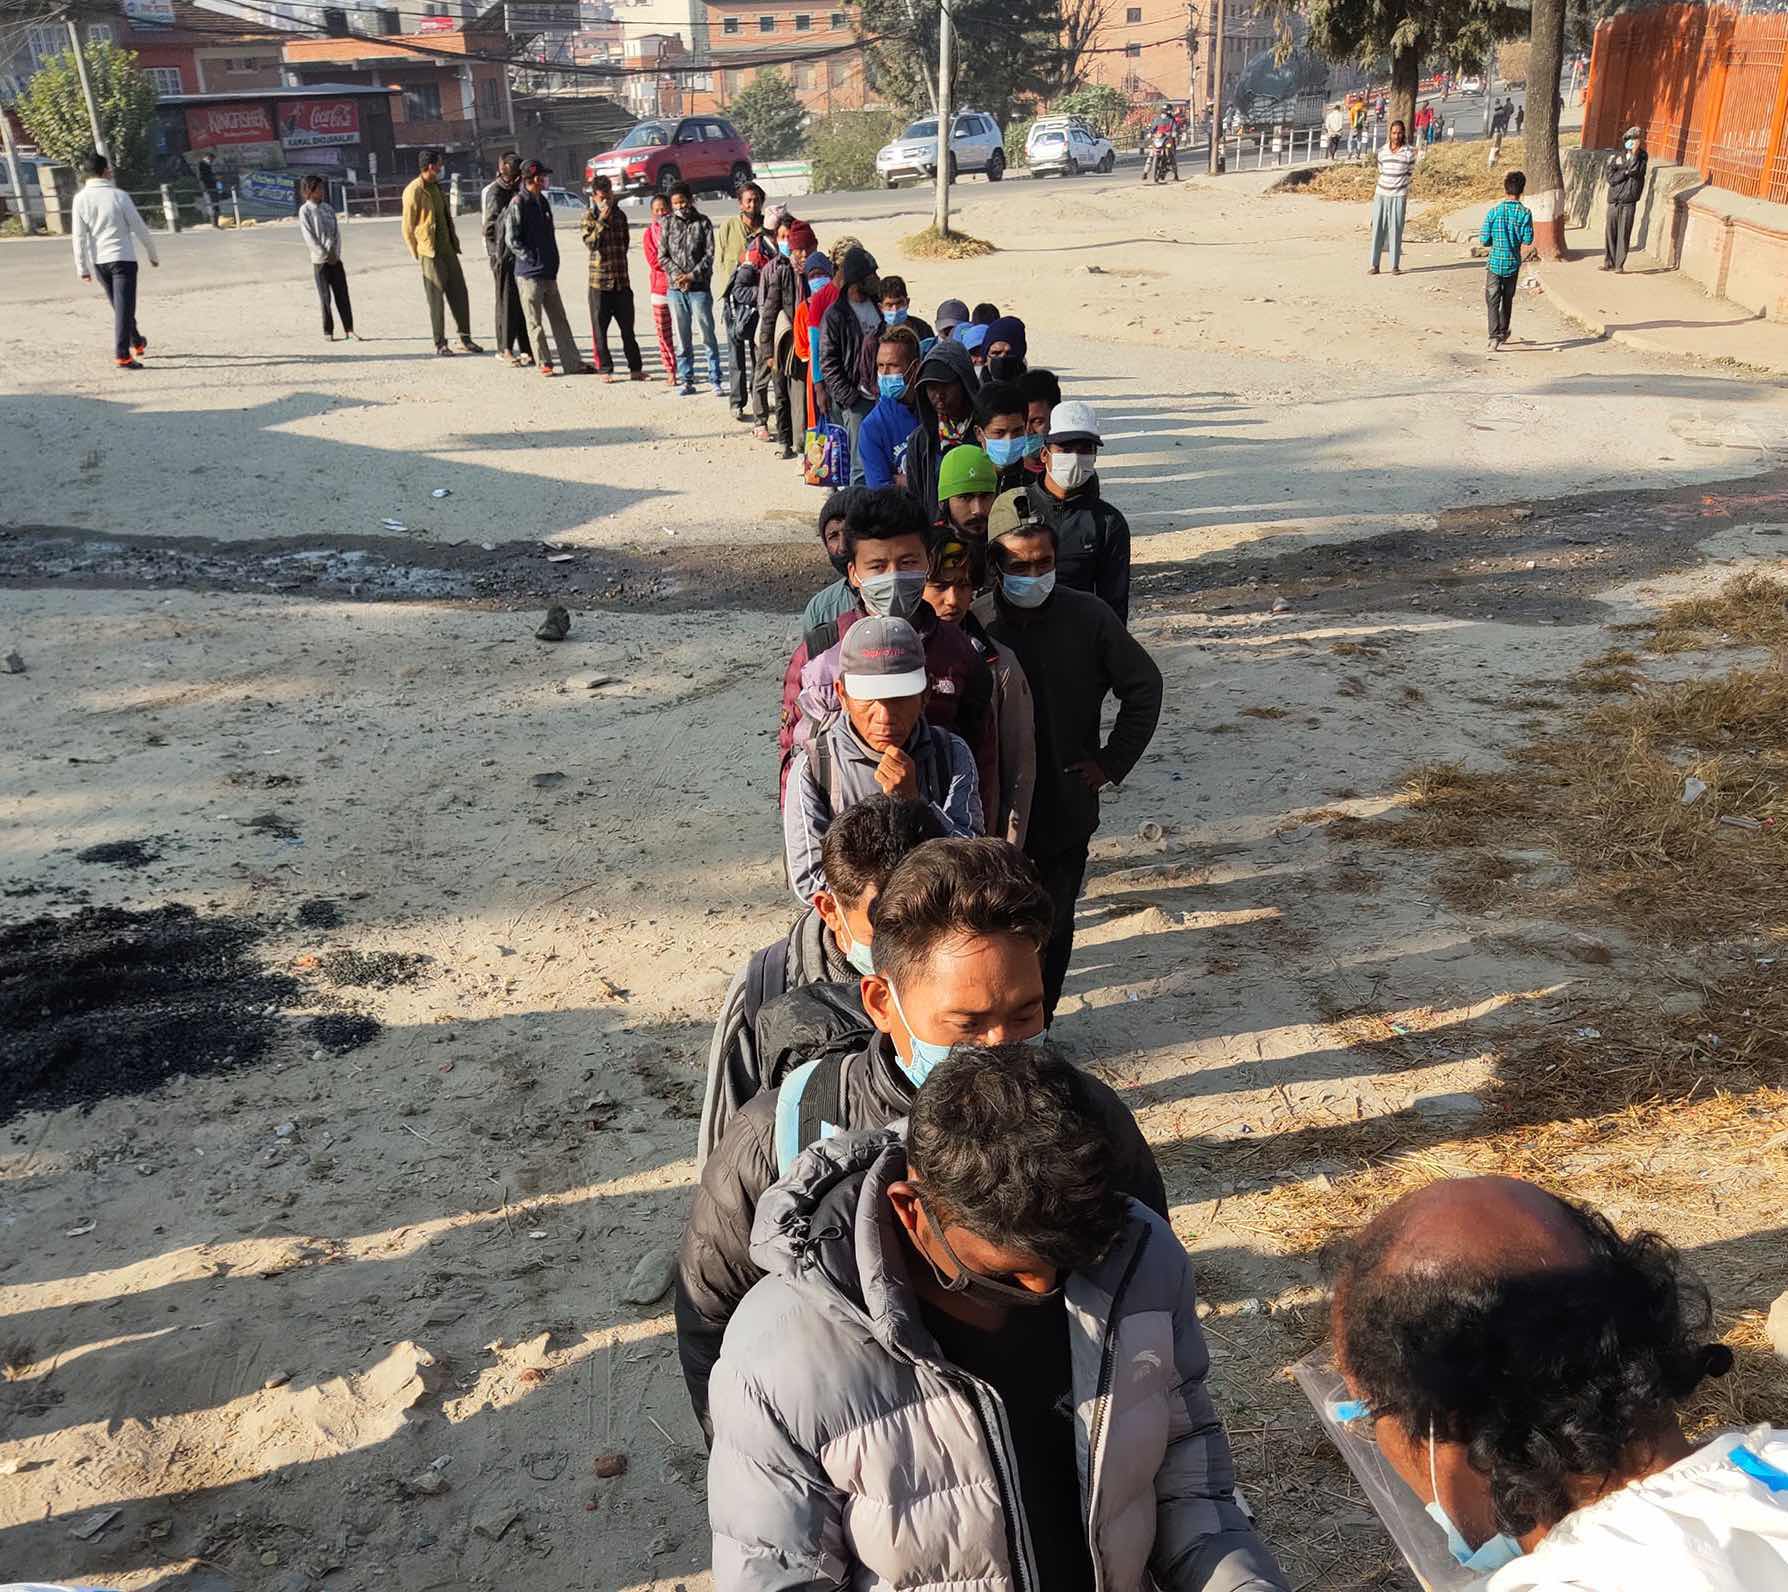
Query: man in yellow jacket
(432, 242)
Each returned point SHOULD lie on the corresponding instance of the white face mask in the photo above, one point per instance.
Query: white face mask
(1072, 470)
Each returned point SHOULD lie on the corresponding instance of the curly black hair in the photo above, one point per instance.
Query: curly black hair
(1543, 1375)
(1007, 1142)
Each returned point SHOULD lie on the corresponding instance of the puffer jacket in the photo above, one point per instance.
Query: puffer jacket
(924, 451)
(805, 955)
(780, 292)
(848, 1453)
(1626, 177)
(715, 1263)
(1092, 543)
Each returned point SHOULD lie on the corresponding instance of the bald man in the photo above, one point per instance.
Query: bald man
(1522, 1366)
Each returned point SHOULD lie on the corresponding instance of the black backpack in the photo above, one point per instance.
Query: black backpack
(741, 294)
(810, 1023)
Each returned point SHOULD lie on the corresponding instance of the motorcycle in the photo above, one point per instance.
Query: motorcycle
(1160, 151)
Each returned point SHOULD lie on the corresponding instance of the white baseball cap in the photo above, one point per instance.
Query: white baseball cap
(1074, 422)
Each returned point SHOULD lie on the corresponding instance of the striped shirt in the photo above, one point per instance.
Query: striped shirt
(1394, 168)
(1505, 229)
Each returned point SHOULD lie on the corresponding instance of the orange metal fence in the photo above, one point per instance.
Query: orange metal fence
(1708, 85)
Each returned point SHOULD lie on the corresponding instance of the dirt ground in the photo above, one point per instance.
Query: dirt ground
(335, 1294)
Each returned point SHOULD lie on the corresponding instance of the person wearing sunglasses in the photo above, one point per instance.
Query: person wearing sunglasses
(974, 1361)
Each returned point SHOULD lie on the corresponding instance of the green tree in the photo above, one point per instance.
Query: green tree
(770, 116)
(1099, 106)
(55, 112)
(1006, 51)
(842, 148)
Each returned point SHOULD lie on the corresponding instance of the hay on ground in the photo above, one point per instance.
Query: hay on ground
(934, 245)
(1750, 609)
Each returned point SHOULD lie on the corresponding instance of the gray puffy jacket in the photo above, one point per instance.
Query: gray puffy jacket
(847, 1453)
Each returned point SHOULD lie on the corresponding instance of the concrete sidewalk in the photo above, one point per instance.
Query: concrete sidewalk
(1658, 310)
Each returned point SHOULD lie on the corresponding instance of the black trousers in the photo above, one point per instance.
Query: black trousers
(1499, 301)
(512, 329)
(1619, 235)
(120, 284)
(613, 304)
(332, 277)
(744, 369)
(1062, 875)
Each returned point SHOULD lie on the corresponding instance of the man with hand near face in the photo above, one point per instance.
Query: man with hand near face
(1074, 652)
(959, 929)
(878, 738)
(975, 1361)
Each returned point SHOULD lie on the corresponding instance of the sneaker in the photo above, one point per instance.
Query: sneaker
(140, 346)
(686, 392)
(129, 364)
(442, 348)
(547, 370)
(470, 347)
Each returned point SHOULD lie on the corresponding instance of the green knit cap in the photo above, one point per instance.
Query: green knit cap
(965, 469)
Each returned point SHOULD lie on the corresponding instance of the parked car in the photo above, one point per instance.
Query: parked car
(706, 152)
(1471, 85)
(569, 209)
(1066, 146)
(975, 145)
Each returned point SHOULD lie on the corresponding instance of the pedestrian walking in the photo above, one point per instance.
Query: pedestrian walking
(106, 227)
(1396, 163)
(433, 243)
(688, 253)
(1508, 231)
(611, 291)
(530, 236)
(512, 336)
(658, 284)
(212, 189)
(1626, 186)
(1520, 118)
(322, 237)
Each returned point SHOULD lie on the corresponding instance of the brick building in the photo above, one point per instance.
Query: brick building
(183, 49)
(742, 38)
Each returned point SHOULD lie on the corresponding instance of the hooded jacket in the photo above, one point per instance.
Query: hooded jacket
(1626, 176)
(493, 202)
(1092, 543)
(944, 770)
(844, 343)
(1074, 650)
(924, 449)
(849, 1453)
(687, 249)
(715, 1264)
(781, 291)
(805, 955)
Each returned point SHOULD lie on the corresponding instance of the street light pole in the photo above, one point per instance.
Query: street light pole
(99, 138)
(1217, 89)
(946, 68)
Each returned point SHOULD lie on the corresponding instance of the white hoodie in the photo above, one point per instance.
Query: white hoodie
(105, 217)
(1703, 1525)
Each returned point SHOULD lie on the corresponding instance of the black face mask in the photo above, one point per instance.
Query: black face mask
(840, 561)
(1005, 367)
(971, 1284)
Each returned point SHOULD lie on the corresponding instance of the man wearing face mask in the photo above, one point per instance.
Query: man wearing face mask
(780, 291)
(974, 1362)
(1042, 393)
(1006, 349)
(1523, 1368)
(1074, 651)
(850, 337)
(806, 983)
(943, 415)
(880, 452)
(1000, 425)
(886, 557)
(959, 928)
(1626, 186)
(897, 308)
(1092, 537)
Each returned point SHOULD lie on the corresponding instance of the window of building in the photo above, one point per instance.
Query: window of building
(1133, 51)
(766, 24)
(166, 80)
(239, 64)
(1133, 13)
(804, 76)
(732, 81)
(729, 25)
(803, 22)
(837, 21)
(99, 33)
(45, 44)
(490, 93)
(422, 102)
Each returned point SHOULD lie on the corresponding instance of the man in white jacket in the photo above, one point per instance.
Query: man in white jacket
(1523, 1367)
(106, 223)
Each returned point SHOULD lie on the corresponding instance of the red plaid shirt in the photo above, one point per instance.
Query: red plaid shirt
(607, 241)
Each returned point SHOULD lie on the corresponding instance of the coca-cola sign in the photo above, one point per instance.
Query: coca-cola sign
(207, 126)
(309, 124)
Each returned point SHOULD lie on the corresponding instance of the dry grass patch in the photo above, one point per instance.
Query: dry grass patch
(934, 245)
(1265, 713)
(1750, 610)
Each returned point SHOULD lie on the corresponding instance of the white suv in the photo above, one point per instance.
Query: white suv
(1067, 145)
(975, 145)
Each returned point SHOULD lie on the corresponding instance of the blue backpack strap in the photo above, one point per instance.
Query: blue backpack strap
(807, 1109)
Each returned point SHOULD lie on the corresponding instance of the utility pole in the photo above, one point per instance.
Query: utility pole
(1191, 61)
(12, 173)
(946, 69)
(1217, 90)
(99, 138)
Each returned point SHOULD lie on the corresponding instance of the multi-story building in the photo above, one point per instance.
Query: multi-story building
(811, 42)
(185, 50)
(1142, 49)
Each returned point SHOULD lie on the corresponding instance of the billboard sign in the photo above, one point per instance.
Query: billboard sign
(540, 16)
(208, 126)
(314, 124)
(437, 25)
(158, 12)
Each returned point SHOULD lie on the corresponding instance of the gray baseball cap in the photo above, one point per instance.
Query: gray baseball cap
(881, 658)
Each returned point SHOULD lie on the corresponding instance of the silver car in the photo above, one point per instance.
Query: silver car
(1068, 146)
(976, 144)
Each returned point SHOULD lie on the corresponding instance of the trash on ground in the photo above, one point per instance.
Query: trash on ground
(1693, 790)
(82, 1231)
(441, 492)
(556, 626)
(394, 525)
(1737, 821)
(95, 1523)
(12, 663)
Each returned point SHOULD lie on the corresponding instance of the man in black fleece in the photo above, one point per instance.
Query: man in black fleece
(944, 406)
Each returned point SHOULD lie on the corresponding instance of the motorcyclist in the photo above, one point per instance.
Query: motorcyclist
(1164, 136)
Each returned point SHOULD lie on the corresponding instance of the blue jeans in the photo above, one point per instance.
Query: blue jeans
(682, 303)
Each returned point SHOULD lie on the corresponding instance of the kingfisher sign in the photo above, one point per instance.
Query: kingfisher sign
(311, 124)
(208, 126)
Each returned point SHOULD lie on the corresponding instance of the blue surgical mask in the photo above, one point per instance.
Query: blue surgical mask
(926, 344)
(1487, 1556)
(1027, 591)
(815, 283)
(784, 248)
(1033, 444)
(860, 954)
(1004, 450)
(925, 1054)
(890, 386)
(896, 317)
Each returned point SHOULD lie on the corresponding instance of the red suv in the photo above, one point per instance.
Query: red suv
(703, 151)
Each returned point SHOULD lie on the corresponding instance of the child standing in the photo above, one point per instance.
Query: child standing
(659, 281)
(322, 236)
(1508, 229)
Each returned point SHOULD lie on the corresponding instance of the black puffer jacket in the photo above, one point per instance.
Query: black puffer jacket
(714, 1266)
(1626, 177)
(948, 359)
(1092, 543)
(846, 352)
